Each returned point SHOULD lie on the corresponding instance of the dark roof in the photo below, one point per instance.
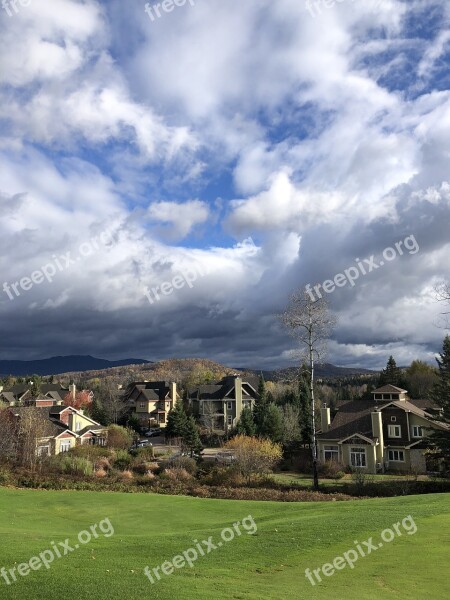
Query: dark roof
(352, 417)
(219, 391)
(152, 390)
(355, 417)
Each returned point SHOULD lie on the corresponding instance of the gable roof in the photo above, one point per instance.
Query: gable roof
(389, 389)
(220, 390)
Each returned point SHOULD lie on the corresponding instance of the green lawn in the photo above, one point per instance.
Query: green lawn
(305, 481)
(151, 529)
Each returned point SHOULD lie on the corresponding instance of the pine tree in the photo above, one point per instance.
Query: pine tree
(176, 422)
(260, 409)
(391, 374)
(246, 424)
(191, 437)
(441, 396)
(272, 426)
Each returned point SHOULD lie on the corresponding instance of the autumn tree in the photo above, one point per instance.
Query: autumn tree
(119, 437)
(81, 401)
(8, 435)
(311, 323)
(420, 379)
(254, 456)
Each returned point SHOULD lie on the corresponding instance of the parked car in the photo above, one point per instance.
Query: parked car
(141, 444)
(153, 432)
(225, 458)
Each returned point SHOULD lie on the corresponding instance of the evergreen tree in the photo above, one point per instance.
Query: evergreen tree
(260, 406)
(176, 422)
(391, 374)
(304, 395)
(191, 437)
(272, 426)
(246, 424)
(441, 396)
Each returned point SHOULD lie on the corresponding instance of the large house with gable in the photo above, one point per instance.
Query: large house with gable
(387, 432)
(151, 401)
(223, 401)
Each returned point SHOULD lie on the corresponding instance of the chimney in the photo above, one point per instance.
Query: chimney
(173, 392)
(238, 396)
(325, 417)
(377, 432)
(73, 390)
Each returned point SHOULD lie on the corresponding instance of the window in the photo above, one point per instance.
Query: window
(43, 450)
(229, 406)
(417, 431)
(396, 456)
(230, 419)
(64, 446)
(162, 418)
(378, 396)
(77, 426)
(246, 403)
(358, 457)
(394, 431)
(331, 453)
(393, 419)
(141, 404)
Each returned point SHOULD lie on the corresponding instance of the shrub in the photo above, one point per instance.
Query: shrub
(75, 465)
(254, 455)
(329, 469)
(100, 473)
(5, 476)
(122, 460)
(182, 462)
(126, 475)
(176, 475)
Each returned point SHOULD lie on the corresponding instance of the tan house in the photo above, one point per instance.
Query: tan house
(151, 401)
(220, 404)
(387, 432)
(67, 428)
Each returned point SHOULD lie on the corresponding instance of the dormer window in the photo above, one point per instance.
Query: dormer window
(378, 396)
(393, 419)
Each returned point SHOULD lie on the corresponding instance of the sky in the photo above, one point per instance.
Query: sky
(170, 176)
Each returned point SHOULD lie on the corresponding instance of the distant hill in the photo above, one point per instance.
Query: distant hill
(62, 364)
(323, 371)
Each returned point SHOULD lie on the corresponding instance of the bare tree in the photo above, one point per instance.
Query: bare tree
(32, 426)
(443, 295)
(8, 435)
(311, 323)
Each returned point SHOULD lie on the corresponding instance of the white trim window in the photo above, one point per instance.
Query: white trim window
(141, 404)
(77, 426)
(230, 420)
(64, 446)
(393, 419)
(358, 457)
(43, 450)
(417, 431)
(331, 453)
(229, 405)
(394, 431)
(396, 456)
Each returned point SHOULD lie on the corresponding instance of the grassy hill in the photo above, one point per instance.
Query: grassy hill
(270, 564)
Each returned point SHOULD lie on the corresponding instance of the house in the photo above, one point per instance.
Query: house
(21, 394)
(67, 428)
(221, 403)
(151, 401)
(387, 432)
